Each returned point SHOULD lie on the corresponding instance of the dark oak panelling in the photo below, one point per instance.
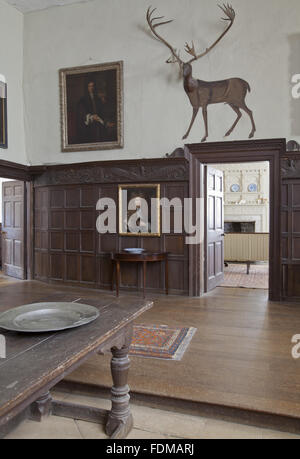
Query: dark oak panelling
(68, 247)
(290, 226)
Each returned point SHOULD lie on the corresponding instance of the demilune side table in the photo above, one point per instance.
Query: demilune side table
(144, 258)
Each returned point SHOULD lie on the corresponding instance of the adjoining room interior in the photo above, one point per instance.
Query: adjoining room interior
(185, 328)
(246, 224)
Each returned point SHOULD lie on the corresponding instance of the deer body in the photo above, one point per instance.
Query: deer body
(228, 91)
(203, 93)
(232, 91)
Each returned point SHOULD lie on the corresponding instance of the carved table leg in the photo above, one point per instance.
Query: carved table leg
(112, 274)
(167, 275)
(248, 267)
(120, 421)
(144, 278)
(117, 277)
(41, 408)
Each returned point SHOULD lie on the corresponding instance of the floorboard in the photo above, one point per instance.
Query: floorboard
(240, 356)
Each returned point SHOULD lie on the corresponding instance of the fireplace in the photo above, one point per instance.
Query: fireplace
(239, 227)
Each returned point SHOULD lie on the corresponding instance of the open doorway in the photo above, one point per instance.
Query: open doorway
(237, 225)
(13, 228)
(271, 150)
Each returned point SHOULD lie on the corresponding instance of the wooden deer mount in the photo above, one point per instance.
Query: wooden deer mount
(203, 93)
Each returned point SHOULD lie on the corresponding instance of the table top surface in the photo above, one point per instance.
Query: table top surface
(33, 360)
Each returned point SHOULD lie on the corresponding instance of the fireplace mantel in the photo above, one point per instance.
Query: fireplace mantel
(258, 213)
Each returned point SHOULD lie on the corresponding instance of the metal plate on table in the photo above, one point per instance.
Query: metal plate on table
(133, 250)
(46, 317)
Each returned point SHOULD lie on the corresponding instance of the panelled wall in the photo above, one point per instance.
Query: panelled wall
(290, 225)
(68, 248)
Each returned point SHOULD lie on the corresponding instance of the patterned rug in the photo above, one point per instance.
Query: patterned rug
(160, 341)
(235, 275)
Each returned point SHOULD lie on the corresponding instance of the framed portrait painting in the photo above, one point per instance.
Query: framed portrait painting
(3, 115)
(139, 210)
(92, 107)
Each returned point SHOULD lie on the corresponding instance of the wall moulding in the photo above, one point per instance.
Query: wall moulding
(15, 171)
(290, 167)
(175, 169)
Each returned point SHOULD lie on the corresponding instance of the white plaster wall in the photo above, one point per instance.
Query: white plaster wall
(244, 174)
(11, 67)
(157, 111)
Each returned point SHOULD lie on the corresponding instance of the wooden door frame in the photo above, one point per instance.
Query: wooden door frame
(198, 155)
(21, 172)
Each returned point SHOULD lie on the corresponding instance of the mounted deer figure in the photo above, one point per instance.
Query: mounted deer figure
(203, 93)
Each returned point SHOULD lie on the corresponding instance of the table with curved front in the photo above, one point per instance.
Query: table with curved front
(144, 258)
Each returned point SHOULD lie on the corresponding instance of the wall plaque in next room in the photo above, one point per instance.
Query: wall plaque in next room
(235, 188)
(252, 188)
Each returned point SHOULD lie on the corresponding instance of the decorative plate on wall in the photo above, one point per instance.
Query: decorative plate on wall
(252, 187)
(235, 188)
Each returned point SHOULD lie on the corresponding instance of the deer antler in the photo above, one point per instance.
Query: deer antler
(153, 26)
(230, 16)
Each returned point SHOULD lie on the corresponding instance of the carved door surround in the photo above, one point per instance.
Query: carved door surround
(229, 152)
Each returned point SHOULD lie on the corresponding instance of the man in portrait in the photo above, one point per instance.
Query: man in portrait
(95, 121)
(92, 107)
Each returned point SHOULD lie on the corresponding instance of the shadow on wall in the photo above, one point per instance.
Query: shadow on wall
(294, 69)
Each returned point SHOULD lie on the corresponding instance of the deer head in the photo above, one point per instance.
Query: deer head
(155, 22)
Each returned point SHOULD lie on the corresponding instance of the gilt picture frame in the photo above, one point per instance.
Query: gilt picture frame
(150, 224)
(91, 99)
(3, 115)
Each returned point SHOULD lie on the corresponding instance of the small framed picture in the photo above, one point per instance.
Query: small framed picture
(92, 107)
(139, 210)
(3, 115)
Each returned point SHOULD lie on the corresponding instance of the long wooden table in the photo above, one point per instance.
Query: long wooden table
(35, 363)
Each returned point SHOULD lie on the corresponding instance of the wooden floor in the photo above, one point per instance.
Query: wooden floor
(239, 358)
(149, 423)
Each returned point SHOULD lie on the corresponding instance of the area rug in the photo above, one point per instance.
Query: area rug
(235, 275)
(161, 341)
